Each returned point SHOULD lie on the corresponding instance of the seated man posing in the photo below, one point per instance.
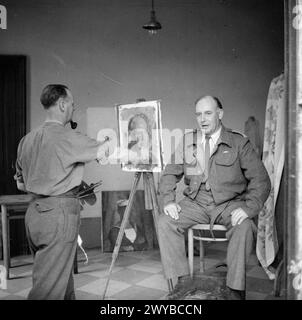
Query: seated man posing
(226, 183)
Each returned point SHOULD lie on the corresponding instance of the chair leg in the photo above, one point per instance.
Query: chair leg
(8, 242)
(75, 263)
(170, 285)
(190, 252)
(201, 256)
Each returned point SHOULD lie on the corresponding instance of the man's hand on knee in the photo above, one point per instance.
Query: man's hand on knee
(172, 210)
(238, 215)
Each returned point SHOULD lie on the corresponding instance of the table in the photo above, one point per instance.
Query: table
(17, 203)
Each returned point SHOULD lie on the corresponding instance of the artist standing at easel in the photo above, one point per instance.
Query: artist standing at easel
(50, 165)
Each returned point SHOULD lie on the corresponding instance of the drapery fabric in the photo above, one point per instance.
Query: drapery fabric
(273, 158)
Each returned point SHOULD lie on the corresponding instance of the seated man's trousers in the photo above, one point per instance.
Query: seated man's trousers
(172, 244)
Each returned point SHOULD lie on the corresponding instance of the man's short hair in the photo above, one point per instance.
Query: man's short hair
(52, 93)
(219, 104)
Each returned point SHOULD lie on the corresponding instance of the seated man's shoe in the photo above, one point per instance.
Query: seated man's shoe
(233, 294)
(183, 285)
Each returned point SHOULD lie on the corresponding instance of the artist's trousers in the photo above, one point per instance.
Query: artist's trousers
(172, 244)
(52, 226)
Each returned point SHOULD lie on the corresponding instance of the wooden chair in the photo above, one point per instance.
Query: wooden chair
(192, 237)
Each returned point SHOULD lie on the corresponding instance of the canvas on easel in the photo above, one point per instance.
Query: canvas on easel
(140, 136)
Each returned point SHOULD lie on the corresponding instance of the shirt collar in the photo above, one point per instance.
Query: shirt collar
(53, 120)
(215, 136)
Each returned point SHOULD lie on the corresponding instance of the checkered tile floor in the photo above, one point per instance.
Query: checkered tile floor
(136, 275)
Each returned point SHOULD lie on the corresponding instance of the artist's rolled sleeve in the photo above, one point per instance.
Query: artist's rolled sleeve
(18, 175)
(80, 148)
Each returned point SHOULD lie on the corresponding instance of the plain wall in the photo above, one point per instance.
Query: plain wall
(231, 49)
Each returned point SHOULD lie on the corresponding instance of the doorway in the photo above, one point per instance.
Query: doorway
(12, 129)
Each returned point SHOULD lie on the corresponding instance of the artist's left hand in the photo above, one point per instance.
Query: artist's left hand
(238, 215)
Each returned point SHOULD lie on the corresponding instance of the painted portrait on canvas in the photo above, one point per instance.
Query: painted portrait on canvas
(140, 136)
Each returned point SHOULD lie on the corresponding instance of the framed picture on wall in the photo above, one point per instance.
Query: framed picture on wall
(140, 136)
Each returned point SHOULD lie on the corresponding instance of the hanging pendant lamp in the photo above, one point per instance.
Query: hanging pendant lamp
(153, 25)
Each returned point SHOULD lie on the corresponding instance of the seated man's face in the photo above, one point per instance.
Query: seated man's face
(208, 115)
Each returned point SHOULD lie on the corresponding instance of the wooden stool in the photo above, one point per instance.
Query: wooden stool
(191, 238)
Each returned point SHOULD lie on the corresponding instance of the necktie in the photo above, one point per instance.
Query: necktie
(207, 156)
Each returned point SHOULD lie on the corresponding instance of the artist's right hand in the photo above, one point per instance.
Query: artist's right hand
(119, 155)
(172, 210)
(103, 151)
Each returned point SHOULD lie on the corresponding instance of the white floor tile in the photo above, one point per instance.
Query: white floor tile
(156, 281)
(3, 294)
(145, 268)
(23, 293)
(97, 287)
(103, 273)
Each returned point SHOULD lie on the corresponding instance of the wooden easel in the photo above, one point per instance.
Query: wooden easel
(150, 204)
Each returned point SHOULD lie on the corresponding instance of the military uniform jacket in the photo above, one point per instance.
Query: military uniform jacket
(235, 173)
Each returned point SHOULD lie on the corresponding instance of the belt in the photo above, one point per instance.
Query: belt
(69, 194)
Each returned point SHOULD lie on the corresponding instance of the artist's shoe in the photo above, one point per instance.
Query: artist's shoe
(183, 285)
(233, 294)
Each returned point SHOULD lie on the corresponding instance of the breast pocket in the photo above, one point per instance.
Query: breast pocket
(226, 158)
(228, 169)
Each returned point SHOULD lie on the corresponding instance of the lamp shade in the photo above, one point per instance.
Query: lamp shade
(153, 24)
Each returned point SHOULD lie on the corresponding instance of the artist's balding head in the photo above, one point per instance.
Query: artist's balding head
(208, 114)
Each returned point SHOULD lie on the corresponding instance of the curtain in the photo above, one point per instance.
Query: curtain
(273, 159)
